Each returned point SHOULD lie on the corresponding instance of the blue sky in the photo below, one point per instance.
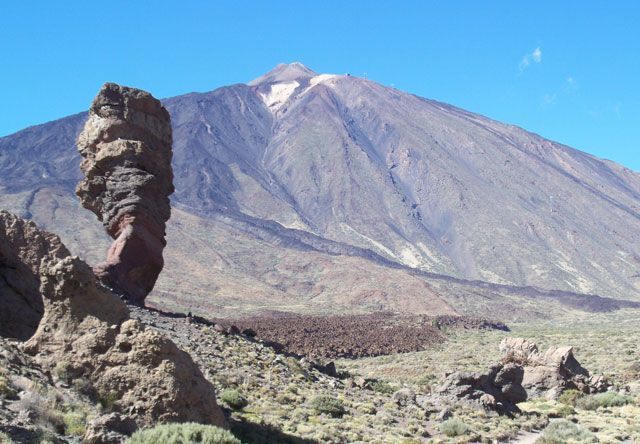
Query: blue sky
(569, 71)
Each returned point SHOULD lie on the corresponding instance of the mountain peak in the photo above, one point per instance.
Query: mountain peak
(284, 73)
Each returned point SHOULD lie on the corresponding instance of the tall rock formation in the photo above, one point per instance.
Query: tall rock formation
(126, 146)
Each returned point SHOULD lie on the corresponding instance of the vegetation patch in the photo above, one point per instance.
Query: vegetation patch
(608, 399)
(234, 399)
(329, 406)
(563, 431)
(75, 423)
(454, 427)
(185, 433)
(570, 397)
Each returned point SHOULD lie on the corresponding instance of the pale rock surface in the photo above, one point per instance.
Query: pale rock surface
(88, 328)
(550, 373)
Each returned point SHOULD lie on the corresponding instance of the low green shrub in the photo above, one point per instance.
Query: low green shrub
(565, 410)
(563, 431)
(367, 409)
(607, 399)
(328, 405)
(75, 423)
(234, 399)
(570, 397)
(454, 427)
(185, 433)
(382, 387)
(5, 439)
(63, 371)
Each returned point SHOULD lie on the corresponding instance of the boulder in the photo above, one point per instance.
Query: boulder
(404, 397)
(499, 389)
(550, 373)
(111, 428)
(126, 150)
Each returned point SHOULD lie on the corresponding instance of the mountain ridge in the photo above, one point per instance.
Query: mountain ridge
(414, 181)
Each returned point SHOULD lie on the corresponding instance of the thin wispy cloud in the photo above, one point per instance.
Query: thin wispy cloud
(548, 100)
(566, 89)
(570, 85)
(533, 57)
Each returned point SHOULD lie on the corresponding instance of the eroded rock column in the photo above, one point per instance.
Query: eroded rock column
(126, 146)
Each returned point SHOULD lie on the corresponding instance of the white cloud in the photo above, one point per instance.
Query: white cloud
(533, 57)
(536, 55)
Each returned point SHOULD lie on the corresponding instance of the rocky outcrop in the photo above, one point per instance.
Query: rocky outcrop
(111, 428)
(126, 146)
(499, 389)
(550, 373)
(85, 333)
(136, 371)
(22, 247)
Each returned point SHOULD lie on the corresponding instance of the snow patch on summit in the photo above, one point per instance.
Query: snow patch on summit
(321, 78)
(278, 94)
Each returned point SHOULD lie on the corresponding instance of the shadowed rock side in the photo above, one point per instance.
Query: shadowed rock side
(126, 146)
(499, 389)
(87, 332)
(22, 247)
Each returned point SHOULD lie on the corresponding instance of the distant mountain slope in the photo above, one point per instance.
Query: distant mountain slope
(345, 167)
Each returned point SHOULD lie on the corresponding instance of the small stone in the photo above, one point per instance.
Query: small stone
(404, 397)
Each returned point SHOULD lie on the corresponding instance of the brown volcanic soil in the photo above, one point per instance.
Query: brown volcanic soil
(353, 336)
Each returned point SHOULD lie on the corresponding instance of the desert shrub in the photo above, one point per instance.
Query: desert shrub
(634, 369)
(563, 431)
(63, 371)
(75, 423)
(454, 427)
(565, 410)
(608, 399)
(42, 410)
(108, 400)
(570, 397)
(382, 387)
(6, 391)
(367, 409)
(185, 433)
(5, 439)
(234, 399)
(328, 405)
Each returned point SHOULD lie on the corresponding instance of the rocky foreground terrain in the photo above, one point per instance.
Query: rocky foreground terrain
(270, 397)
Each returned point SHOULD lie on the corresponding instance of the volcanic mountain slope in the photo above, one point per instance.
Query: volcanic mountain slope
(329, 192)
